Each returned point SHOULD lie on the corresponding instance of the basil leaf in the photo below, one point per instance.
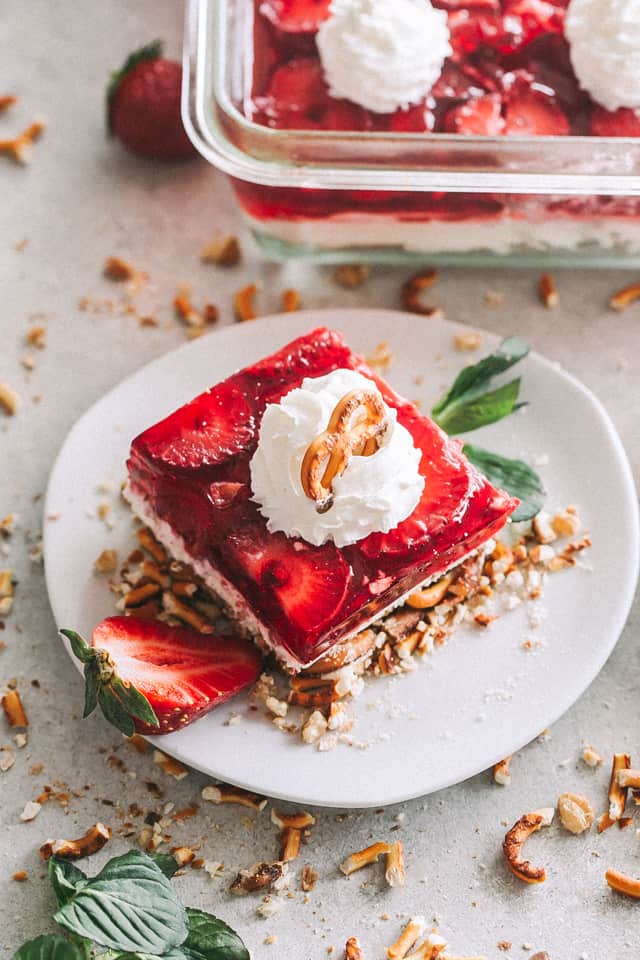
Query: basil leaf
(514, 476)
(49, 947)
(66, 879)
(485, 409)
(114, 712)
(165, 862)
(211, 939)
(134, 702)
(129, 906)
(473, 379)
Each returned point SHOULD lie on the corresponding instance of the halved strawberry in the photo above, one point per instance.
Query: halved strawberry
(623, 122)
(531, 111)
(416, 119)
(481, 116)
(297, 95)
(153, 678)
(296, 16)
(213, 427)
(307, 583)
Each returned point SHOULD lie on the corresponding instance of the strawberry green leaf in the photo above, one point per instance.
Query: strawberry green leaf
(92, 685)
(151, 51)
(481, 411)
(114, 712)
(474, 379)
(514, 476)
(129, 906)
(49, 947)
(134, 702)
(66, 879)
(79, 646)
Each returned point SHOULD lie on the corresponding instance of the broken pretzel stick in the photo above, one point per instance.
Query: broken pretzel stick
(514, 840)
(621, 883)
(395, 872)
(92, 841)
(14, 710)
(299, 821)
(407, 939)
(431, 595)
(362, 858)
(290, 844)
(226, 794)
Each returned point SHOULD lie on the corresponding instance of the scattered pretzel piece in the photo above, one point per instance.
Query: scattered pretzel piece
(226, 794)
(512, 845)
(223, 251)
(291, 301)
(622, 883)
(623, 298)
(407, 939)
(183, 856)
(604, 822)
(351, 275)
(381, 357)
(308, 878)
(548, 291)
(7, 100)
(119, 270)
(170, 766)
(149, 543)
(290, 844)
(140, 595)
(395, 872)
(138, 743)
(413, 289)
(501, 773)
(243, 303)
(92, 841)
(628, 778)
(19, 149)
(429, 949)
(431, 595)
(362, 858)
(618, 794)
(259, 877)
(14, 710)
(353, 950)
(591, 756)
(107, 562)
(185, 613)
(467, 341)
(575, 812)
(9, 399)
(299, 821)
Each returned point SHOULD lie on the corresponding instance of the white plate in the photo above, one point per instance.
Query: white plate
(469, 704)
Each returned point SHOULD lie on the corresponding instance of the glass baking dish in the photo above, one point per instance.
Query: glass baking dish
(379, 196)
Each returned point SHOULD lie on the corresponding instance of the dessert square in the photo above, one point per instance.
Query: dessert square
(190, 481)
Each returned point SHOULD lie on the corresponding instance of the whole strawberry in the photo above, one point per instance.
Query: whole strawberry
(143, 105)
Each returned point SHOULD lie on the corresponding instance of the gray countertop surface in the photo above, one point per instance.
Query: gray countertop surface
(82, 199)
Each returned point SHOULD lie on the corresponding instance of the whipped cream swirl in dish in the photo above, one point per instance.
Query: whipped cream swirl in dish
(383, 54)
(373, 495)
(604, 39)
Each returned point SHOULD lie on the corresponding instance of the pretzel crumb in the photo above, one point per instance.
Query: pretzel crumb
(243, 303)
(429, 949)
(139, 744)
(226, 794)
(308, 878)
(20, 876)
(290, 844)
(351, 275)
(14, 710)
(547, 291)
(183, 856)
(119, 270)
(298, 821)
(591, 756)
(575, 812)
(413, 289)
(107, 562)
(362, 858)
(291, 301)
(19, 148)
(260, 876)
(623, 298)
(31, 810)
(36, 337)
(7, 100)
(92, 841)
(407, 939)
(353, 950)
(621, 883)
(10, 399)
(382, 356)
(514, 840)
(395, 872)
(618, 794)
(223, 252)
(170, 766)
(501, 773)
(467, 341)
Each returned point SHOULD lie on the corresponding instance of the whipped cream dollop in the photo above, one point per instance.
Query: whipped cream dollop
(383, 54)
(374, 494)
(604, 40)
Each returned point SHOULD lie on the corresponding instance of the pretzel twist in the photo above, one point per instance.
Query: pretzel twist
(356, 427)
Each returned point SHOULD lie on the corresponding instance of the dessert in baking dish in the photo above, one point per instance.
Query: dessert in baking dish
(310, 497)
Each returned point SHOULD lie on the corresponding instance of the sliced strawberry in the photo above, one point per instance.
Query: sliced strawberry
(481, 116)
(416, 119)
(212, 428)
(532, 111)
(624, 122)
(344, 115)
(298, 94)
(296, 16)
(470, 31)
(538, 17)
(179, 674)
(456, 83)
(306, 583)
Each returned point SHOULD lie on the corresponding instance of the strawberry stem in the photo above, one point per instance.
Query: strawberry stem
(151, 51)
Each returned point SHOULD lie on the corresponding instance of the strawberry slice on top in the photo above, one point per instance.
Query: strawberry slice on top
(149, 677)
(296, 16)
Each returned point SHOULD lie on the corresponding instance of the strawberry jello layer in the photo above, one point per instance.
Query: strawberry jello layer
(189, 480)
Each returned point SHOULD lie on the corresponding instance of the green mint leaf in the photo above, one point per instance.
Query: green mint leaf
(472, 380)
(134, 702)
(66, 879)
(79, 646)
(211, 939)
(514, 476)
(483, 410)
(114, 712)
(165, 862)
(91, 687)
(129, 906)
(49, 947)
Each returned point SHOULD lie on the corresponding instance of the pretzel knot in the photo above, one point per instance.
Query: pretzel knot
(356, 427)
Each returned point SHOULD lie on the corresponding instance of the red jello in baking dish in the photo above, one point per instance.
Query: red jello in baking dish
(190, 481)
(506, 155)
